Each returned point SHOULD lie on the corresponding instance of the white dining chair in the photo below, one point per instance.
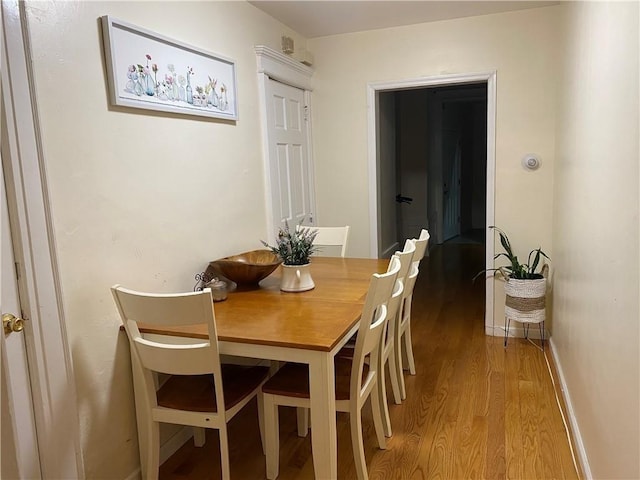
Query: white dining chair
(388, 357)
(403, 348)
(356, 379)
(333, 237)
(199, 391)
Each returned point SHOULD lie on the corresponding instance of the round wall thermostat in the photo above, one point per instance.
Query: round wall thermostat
(531, 161)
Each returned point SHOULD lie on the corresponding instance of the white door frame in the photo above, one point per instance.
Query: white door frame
(51, 374)
(455, 79)
(20, 446)
(277, 66)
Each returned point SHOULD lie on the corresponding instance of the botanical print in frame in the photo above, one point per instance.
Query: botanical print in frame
(148, 70)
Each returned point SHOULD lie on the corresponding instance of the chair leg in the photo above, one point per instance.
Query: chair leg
(302, 417)
(224, 453)
(399, 369)
(397, 362)
(153, 451)
(272, 437)
(260, 400)
(381, 395)
(199, 436)
(357, 445)
(381, 423)
(393, 376)
(409, 348)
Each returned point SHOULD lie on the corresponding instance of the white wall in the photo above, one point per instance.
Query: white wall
(596, 192)
(139, 198)
(520, 46)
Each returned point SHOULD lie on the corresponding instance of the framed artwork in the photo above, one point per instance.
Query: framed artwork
(150, 71)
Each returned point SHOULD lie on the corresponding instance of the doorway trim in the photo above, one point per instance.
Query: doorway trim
(373, 89)
(50, 364)
(277, 66)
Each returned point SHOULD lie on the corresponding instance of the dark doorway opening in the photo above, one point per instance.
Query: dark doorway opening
(441, 162)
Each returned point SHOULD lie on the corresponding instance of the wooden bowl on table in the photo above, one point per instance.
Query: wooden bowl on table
(248, 268)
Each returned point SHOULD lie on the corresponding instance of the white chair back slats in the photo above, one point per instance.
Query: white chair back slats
(333, 237)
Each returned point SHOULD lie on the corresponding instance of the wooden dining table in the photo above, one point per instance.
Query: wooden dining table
(305, 327)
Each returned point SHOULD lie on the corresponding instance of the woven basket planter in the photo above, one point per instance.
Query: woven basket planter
(525, 301)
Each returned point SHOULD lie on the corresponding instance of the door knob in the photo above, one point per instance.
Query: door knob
(12, 323)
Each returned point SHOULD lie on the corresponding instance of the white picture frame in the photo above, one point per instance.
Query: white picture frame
(150, 71)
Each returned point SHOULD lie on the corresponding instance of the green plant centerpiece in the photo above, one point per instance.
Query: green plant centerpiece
(525, 287)
(294, 248)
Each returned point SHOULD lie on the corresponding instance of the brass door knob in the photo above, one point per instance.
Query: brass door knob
(11, 323)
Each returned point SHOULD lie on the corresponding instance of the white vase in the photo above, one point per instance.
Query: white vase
(296, 278)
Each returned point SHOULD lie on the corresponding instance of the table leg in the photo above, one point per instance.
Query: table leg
(323, 416)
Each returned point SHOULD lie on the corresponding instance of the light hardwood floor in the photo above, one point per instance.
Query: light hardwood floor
(473, 410)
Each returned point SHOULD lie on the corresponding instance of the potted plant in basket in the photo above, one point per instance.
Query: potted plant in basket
(525, 287)
(294, 248)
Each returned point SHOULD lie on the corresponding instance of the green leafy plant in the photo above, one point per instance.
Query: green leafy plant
(294, 247)
(530, 270)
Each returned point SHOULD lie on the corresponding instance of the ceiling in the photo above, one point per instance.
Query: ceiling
(318, 18)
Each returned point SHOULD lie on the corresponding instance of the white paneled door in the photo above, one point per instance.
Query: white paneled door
(19, 442)
(289, 162)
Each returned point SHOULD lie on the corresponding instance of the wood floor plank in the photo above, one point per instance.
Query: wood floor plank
(471, 428)
(495, 459)
(513, 427)
(530, 415)
(570, 467)
(427, 459)
(473, 410)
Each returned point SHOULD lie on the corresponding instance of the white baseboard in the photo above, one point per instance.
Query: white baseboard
(498, 331)
(573, 423)
(172, 445)
(136, 475)
(389, 251)
(167, 449)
